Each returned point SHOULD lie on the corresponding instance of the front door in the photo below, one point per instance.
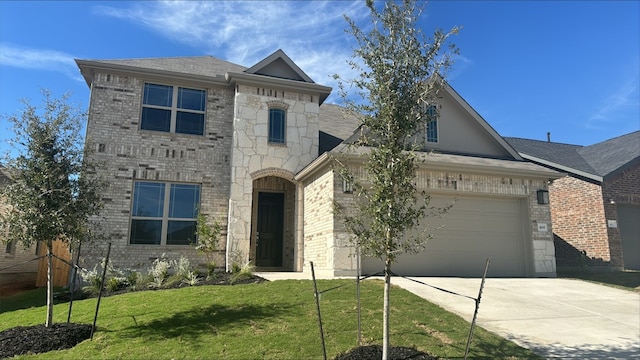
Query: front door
(269, 229)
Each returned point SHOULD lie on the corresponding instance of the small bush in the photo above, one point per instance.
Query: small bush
(159, 272)
(243, 273)
(192, 278)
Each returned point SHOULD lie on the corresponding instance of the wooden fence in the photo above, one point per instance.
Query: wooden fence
(60, 269)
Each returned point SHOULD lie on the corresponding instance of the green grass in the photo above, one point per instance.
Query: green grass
(627, 280)
(272, 320)
(26, 299)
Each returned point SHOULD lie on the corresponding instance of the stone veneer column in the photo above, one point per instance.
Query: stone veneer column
(251, 153)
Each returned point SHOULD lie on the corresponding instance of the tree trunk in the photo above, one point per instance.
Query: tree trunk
(385, 317)
(49, 321)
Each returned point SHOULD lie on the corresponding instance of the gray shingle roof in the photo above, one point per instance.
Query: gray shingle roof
(608, 156)
(600, 159)
(335, 126)
(196, 65)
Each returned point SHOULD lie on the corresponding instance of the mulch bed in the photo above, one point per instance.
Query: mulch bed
(38, 338)
(374, 352)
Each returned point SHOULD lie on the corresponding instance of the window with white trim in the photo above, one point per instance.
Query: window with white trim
(173, 109)
(432, 124)
(164, 213)
(277, 126)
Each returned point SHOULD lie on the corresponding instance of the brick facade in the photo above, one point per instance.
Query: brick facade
(580, 212)
(620, 189)
(126, 154)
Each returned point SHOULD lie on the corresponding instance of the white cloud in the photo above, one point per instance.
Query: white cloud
(39, 59)
(617, 107)
(244, 32)
(312, 33)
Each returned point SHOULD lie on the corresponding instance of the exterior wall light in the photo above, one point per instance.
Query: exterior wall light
(543, 197)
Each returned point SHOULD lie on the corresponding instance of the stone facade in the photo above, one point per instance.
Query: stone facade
(252, 156)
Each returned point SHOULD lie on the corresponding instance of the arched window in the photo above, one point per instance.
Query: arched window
(432, 124)
(277, 126)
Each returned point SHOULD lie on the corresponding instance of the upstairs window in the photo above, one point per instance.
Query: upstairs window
(277, 126)
(432, 124)
(164, 213)
(173, 109)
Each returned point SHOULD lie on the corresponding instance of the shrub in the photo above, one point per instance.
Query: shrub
(159, 272)
(243, 273)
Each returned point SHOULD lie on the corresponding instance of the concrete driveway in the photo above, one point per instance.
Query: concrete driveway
(555, 318)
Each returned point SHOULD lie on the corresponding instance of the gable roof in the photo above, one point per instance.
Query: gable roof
(347, 127)
(593, 162)
(493, 134)
(279, 65)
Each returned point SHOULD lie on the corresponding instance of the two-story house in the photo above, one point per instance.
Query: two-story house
(253, 148)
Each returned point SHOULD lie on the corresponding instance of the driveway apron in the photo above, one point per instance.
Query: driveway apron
(555, 318)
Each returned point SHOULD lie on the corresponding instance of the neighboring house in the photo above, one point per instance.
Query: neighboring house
(595, 208)
(18, 268)
(253, 148)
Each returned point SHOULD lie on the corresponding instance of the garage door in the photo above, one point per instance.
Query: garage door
(628, 216)
(474, 229)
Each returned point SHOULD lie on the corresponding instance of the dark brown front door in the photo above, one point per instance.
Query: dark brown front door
(269, 235)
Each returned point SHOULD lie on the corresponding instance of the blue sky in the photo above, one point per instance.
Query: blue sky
(568, 67)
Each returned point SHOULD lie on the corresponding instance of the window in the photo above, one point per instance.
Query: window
(173, 109)
(10, 248)
(432, 124)
(164, 213)
(277, 126)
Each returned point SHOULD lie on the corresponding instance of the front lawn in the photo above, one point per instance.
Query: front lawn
(271, 320)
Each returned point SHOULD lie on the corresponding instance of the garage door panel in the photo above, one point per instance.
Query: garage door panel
(473, 230)
(629, 225)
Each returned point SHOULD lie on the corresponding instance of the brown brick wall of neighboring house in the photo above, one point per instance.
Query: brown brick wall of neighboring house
(579, 223)
(623, 188)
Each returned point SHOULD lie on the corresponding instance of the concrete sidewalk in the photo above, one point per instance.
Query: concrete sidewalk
(555, 318)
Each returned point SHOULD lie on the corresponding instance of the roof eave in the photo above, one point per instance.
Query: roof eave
(286, 84)
(428, 162)
(314, 166)
(87, 67)
(564, 168)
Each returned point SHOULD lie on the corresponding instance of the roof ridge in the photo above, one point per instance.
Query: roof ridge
(542, 141)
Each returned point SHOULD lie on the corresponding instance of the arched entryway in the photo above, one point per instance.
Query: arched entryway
(273, 224)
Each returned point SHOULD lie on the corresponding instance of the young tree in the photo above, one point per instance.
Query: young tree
(208, 236)
(53, 192)
(400, 73)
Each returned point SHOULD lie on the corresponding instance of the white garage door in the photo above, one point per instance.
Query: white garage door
(475, 229)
